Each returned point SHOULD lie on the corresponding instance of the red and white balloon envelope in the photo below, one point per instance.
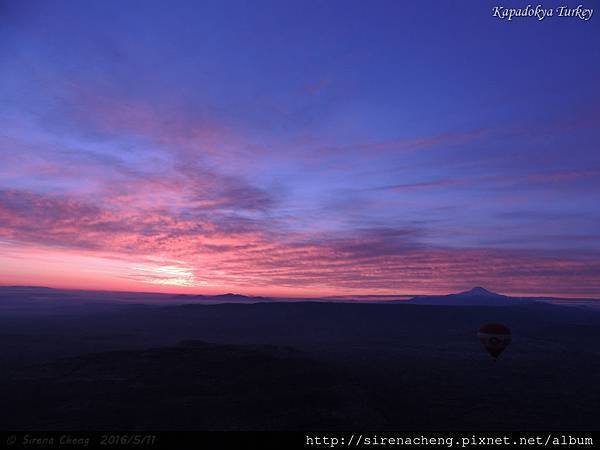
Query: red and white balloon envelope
(495, 337)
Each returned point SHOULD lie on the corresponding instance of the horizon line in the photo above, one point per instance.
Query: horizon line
(346, 296)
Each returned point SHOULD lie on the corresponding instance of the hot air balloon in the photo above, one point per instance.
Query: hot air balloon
(495, 337)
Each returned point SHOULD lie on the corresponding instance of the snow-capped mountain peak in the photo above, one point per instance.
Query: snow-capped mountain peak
(478, 291)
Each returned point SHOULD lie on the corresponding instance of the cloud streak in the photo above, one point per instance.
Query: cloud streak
(232, 254)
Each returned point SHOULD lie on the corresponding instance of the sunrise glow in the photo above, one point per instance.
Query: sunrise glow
(155, 154)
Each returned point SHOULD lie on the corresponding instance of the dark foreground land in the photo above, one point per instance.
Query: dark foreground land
(290, 366)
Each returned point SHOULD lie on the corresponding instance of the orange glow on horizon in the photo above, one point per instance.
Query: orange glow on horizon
(69, 269)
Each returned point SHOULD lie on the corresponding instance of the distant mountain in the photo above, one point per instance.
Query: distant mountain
(478, 291)
(39, 300)
(238, 297)
(220, 298)
(477, 296)
(228, 298)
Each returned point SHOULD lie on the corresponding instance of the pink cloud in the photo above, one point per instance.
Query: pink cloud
(221, 251)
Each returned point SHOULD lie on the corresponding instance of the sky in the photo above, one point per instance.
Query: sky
(298, 148)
